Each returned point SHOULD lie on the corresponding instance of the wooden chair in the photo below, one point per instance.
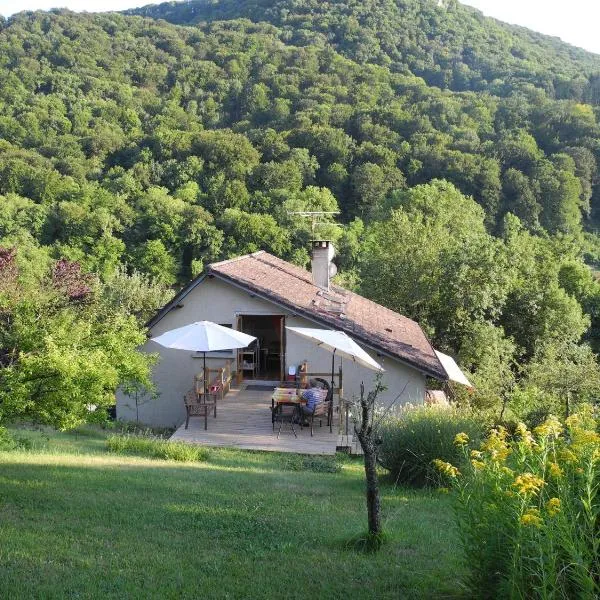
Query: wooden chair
(199, 406)
(226, 377)
(328, 401)
(321, 409)
(212, 389)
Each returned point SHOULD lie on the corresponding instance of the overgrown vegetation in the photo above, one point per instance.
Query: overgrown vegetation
(412, 439)
(66, 343)
(529, 510)
(9, 441)
(156, 448)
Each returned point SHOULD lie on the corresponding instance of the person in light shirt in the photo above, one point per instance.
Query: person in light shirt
(313, 395)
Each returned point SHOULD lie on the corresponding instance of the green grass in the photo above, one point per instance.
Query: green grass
(155, 448)
(79, 522)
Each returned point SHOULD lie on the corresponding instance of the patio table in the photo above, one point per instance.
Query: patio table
(285, 397)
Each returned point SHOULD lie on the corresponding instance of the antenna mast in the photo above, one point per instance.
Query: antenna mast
(315, 216)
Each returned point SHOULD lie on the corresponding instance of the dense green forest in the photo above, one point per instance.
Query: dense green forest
(447, 44)
(461, 153)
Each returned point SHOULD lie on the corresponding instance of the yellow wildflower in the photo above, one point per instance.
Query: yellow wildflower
(572, 421)
(551, 427)
(478, 465)
(524, 434)
(507, 471)
(496, 445)
(446, 468)
(476, 454)
(528, 483)
(555, 469)
(553, 506)
(532, 518)
(461, 439)
(566, 455)
(584, 419)
(584, 437)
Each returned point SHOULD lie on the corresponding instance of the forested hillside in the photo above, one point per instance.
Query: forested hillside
(448, 44)
(462, 154)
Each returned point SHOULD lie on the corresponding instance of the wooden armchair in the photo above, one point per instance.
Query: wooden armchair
(199, 406)
(213, 388)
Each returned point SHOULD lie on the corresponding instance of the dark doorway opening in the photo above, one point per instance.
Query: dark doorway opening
(265, 358)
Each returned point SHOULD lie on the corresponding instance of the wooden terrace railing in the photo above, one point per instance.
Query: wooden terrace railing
(218, 379)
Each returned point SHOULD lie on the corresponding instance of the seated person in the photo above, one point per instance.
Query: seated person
(313, 395)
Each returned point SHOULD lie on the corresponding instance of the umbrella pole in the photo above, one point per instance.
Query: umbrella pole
(330, 415)
(204, 376)
(332, 369)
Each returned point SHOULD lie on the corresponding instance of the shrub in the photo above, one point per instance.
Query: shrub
(137, 429)
(528, 510)
(9, 442)
(156, 448)
(412, 440)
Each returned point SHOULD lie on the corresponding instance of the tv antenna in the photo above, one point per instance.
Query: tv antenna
(316, 217)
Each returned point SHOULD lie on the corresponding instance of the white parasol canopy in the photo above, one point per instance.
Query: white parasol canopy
(340, 344)
(452, 369)
(204, 336)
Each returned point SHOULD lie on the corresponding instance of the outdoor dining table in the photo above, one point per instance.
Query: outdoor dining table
(286, 397)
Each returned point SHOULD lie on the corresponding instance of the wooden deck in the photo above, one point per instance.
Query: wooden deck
(244, 421)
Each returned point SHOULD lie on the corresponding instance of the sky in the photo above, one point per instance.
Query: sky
(575, 21)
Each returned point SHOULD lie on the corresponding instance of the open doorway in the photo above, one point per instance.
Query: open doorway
(265, 358)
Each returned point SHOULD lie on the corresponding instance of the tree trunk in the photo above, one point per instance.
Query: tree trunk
(373, 504)
(366, 437)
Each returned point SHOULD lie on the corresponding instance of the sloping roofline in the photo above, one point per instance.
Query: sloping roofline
(212, 272)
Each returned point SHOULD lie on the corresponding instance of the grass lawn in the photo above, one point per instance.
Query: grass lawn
(79, 522)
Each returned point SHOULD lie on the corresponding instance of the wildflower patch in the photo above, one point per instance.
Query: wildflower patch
(528, 509)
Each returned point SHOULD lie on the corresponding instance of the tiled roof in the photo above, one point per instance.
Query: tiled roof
(367, 321)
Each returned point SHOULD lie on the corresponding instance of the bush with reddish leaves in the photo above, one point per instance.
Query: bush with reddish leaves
(8, 265)
(68, 278)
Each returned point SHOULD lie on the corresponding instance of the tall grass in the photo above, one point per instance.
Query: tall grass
(8, 441)
(417, 436)
(528, 511)
(156, 448)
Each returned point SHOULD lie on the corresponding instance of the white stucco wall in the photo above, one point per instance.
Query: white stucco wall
(218, 301)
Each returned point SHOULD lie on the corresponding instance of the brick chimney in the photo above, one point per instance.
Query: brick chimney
(322, 267)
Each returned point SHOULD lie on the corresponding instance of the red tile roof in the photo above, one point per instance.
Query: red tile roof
(366, 321)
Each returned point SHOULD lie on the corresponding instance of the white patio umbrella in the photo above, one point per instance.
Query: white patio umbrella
(339, 343)
(452, 369)
(204, 336)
